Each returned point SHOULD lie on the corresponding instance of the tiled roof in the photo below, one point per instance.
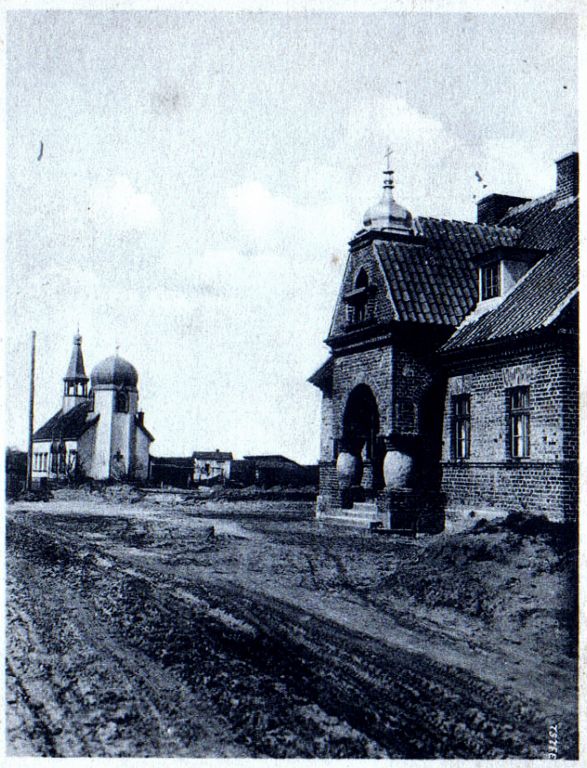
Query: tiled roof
(434, 280)
(67, 426)
(546, 289)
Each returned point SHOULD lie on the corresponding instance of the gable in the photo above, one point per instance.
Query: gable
(379, 309)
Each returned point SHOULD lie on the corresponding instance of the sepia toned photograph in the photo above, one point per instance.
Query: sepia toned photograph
(291, 384)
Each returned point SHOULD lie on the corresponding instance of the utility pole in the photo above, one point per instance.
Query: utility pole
(29, 476)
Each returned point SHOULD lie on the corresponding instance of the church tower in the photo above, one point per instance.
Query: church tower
(115, 400)
(75, 381)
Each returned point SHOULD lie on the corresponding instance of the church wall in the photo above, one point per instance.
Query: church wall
(104, 405)
(122, 444)
(85, 450)
(545, 481)
(45, 449)
(140, 462)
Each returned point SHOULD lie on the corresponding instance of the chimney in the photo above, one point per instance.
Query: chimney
(491, 209)
(140, 417)
(567, 176)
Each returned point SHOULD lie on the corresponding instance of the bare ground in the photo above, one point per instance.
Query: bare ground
(158, 626)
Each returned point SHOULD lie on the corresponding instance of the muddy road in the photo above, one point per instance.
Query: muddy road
(134, 632)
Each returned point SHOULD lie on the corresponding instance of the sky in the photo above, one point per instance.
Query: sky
(202, 174)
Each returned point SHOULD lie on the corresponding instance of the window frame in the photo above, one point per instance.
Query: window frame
(519, 410)
(490, 289)
(461, 427)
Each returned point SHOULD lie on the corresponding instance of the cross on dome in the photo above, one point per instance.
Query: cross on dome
(387, 214)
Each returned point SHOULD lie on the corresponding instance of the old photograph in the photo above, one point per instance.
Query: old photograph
(291, 384)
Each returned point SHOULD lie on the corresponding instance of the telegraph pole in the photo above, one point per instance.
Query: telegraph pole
(29, 476)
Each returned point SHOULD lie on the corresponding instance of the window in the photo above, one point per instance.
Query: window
(518, 400)
(92, 401)
(489, 276)
(461, 409)
(121, 402)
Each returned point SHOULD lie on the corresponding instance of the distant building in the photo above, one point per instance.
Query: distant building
(16, 471)
(274, 469)
(97, 432)
(176, 471)
(211, 466)
(453, 376)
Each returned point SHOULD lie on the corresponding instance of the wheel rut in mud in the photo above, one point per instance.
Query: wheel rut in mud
(265, 677)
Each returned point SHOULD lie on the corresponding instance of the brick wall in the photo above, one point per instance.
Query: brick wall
(329, 490)
(379, 306)
(372, 367)
(536, 487)
(546, 481)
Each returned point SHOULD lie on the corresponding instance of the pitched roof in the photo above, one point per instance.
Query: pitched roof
(271, 460)
(537, 300)
(67, 426)
(143, 428)
(76, 369)
(322, 378)
(184, 462)
(432, 278)
(212, 455)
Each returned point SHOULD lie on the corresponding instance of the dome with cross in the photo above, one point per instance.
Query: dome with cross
(387, 213)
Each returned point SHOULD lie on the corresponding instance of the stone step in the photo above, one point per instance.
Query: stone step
(363, 514)
(349, 520)
(364, 508)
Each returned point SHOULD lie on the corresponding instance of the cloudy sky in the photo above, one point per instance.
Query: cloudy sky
(202, 174)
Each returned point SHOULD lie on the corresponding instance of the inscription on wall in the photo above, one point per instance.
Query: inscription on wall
(517, 376)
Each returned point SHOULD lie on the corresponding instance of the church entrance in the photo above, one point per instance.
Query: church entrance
(360, 438)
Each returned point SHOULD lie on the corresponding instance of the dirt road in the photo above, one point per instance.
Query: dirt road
(134, 631)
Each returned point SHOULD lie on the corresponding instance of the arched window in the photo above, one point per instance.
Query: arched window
(122, 402)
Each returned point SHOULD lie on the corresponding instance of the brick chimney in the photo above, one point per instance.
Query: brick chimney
(567, 176)
(491, 209)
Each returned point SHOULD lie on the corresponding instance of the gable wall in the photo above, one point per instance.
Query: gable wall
(379, 307)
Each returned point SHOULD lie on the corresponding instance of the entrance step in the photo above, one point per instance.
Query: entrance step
(360, 515)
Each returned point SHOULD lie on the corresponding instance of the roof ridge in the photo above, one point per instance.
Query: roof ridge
(529, 204)
(469, 223)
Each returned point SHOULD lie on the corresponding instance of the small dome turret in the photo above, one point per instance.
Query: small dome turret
(387, 214)
(114, 371)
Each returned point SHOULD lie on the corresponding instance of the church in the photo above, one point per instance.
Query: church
(451, 387)
(98, 432)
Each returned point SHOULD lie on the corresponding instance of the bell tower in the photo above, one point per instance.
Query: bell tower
(75, 381)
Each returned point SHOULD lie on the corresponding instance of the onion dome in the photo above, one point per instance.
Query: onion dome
(114, 371)
(387, 214)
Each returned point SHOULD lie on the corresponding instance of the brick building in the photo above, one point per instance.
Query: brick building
(452, 383)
